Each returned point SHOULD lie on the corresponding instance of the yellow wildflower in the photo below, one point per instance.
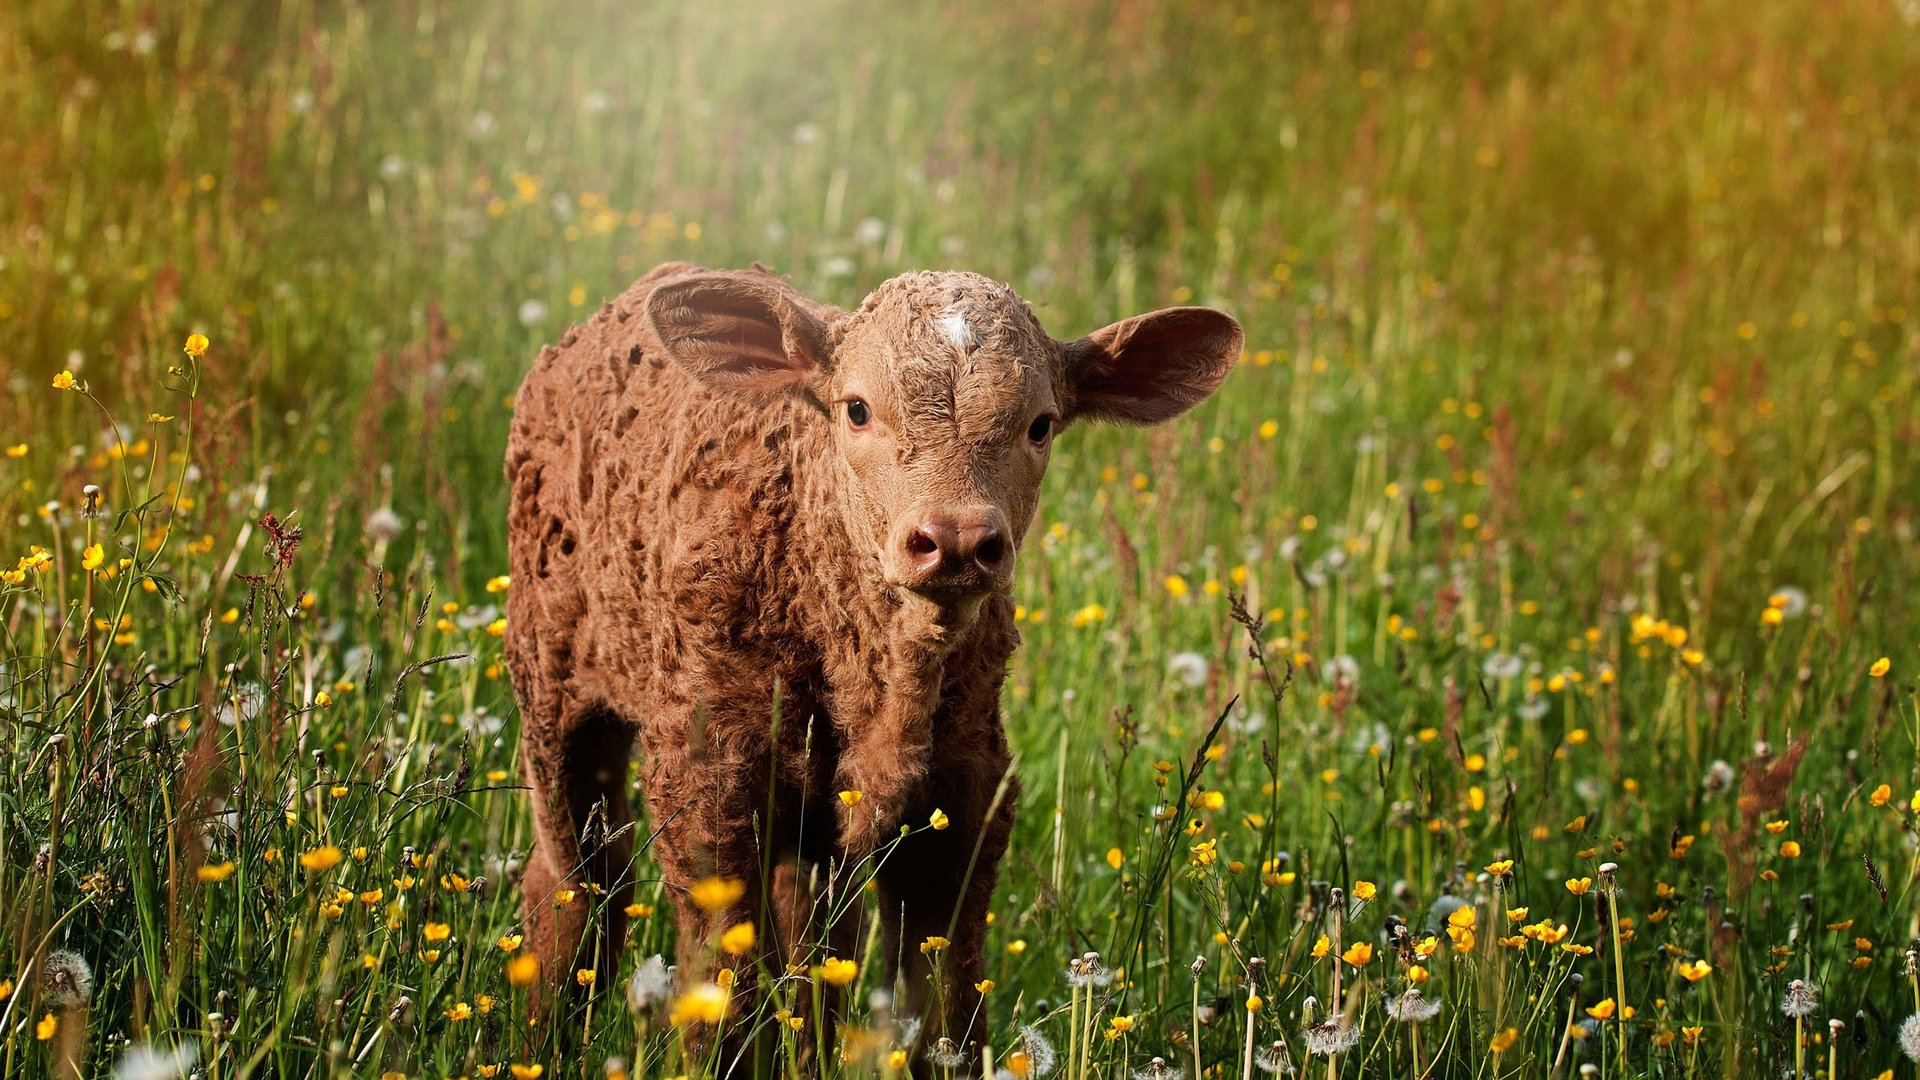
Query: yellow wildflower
(838, 972)
(523, 969)
(320, 859)
(714, 893)
(738, 938)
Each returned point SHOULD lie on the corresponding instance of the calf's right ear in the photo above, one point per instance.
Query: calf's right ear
(738, 333)
(1152, 367)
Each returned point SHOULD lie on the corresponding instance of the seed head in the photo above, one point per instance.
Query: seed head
(66, 978)
(1910, 1037)
(1800, 1000)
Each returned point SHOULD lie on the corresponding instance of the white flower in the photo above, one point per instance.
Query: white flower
(1333, 1036)
(595, 101)
(945, 1054)
(532, 313)
(1502, 666)
(1371, 739)
(383, 524)
(652, 982)
(482, 125)
(1244, 721)
(1412, 1007)
(1088, 971)
(1910, 1036)
(144, 1062)
(1801, 999)
(1274, 1059)
(1719, 777)
(1792, 601)
(1158, 1069)
(393, 167)
(1040, 1055)
(65, 978)
(1188, 667)
(1342, 669)
(1534, 708)
(242, 703)
(870, 231)
(474, 618)
(837, 267)
(806, 134)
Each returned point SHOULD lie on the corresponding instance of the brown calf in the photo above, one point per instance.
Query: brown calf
(726, 496)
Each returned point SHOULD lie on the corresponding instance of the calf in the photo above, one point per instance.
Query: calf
(775, 540)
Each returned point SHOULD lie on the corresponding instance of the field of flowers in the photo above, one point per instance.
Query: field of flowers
(1511, 673)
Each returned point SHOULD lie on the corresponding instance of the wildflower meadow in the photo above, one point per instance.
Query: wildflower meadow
(1511, 672)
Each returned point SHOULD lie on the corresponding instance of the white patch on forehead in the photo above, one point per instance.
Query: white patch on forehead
(953, 326)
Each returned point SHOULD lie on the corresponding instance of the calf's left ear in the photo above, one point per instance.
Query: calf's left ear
(1152, 367)
(738, 332)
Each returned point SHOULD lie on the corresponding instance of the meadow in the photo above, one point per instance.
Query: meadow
(1521, 650)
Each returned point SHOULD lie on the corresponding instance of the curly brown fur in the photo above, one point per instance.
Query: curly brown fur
(699, 529)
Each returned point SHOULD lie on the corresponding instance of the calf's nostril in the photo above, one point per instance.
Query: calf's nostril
(991, 551)
(922, 546)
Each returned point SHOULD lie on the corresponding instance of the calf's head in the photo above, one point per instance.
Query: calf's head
(945, 396)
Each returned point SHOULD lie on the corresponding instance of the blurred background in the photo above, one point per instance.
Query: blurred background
(1680, 240)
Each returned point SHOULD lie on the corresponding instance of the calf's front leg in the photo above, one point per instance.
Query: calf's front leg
(934, 886)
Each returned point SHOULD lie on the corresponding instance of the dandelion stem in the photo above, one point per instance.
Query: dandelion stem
(1246, 1057)
(1073, 1028)
(1619, 974)
(1086, 1034)
(1194, 1020)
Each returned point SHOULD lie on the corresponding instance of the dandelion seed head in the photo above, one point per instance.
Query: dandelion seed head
(382, 524)
(1333, 1036)
(67, 978)
(946, 1054)
(1158, 1069)
(1189, 668)
(1040, 1053)
(1503, 666)
(1800, 1000)
(1910, 1037)
(142, 1061)
(1412, 1007)
(651, 984)
(1791, 600)
(1274, 1060)
(1718, 778)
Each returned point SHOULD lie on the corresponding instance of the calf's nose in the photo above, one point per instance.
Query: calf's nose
(957, 544)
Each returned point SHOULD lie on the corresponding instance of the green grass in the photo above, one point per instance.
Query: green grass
(1577, 331)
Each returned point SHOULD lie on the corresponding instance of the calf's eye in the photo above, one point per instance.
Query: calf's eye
(857, 413)
(1041, 427)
